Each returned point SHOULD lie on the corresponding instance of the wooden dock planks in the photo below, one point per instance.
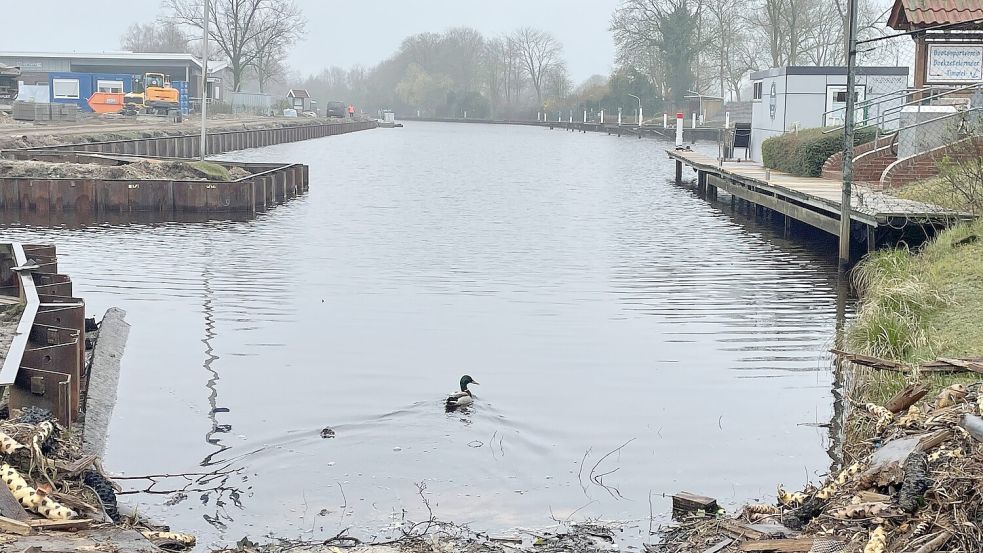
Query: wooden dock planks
(814, 201)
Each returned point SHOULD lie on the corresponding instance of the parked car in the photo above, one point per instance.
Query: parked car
(335, 109)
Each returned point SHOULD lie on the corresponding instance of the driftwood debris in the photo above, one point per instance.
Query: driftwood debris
(719, 546)
(790, 545)
(75, 524)
(906, 398)
(943, 365)
(12, 526)
(10, 507)
(684, 503)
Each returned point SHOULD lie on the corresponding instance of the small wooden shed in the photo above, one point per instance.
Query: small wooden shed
(300, 99)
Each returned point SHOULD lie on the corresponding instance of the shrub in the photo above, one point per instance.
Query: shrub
(803, 153)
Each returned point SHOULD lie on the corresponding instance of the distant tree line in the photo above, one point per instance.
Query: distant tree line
(666, 50)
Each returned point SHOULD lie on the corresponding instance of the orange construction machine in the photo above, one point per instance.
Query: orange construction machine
(152, 94)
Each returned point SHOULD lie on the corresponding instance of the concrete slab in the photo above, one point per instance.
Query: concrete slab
(104, 380)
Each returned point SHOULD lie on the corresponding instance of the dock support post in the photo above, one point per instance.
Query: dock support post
(701, 181)
(871, 238)
(679, 172)
(848, 123)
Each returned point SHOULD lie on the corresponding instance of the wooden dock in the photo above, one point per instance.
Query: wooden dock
(876, 216)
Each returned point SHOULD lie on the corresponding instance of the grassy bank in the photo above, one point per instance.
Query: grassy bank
(917, 306)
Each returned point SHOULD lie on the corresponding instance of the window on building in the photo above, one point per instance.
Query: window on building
(841, 96)
(758, 86)
(113, 87)
(67, 89)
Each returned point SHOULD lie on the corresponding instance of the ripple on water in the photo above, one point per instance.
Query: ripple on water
(597, 303)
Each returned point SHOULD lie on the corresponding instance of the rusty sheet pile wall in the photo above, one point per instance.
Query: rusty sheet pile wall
(267, 186)
(44, 365)
(188, 146)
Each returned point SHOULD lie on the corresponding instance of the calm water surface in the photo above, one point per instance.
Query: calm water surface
(597, 304)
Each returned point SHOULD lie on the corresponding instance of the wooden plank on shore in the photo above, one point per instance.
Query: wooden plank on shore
(739, 530)
(906, 398)
(10, 507)
(720, 546)
(789, 545)
(685, 502)
(45, 524)
(12, 526)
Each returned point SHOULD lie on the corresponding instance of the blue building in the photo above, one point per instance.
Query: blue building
(77, 88)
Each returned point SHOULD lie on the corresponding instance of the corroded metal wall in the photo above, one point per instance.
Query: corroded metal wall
(269, 184)
(187, 146)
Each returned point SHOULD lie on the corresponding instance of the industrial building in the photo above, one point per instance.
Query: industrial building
(789, 98)
(48, 77)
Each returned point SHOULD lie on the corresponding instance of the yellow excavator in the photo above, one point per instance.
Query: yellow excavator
(151, 94)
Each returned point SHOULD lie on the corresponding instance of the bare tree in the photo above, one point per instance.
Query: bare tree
(244, 30)
(270, 66)
(158, 36)
(540, 55)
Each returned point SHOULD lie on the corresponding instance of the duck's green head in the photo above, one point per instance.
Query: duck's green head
(465, 380)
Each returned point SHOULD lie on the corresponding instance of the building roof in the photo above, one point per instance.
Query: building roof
(127, 56)
(828, 70)
(919, 14)
(298, 93)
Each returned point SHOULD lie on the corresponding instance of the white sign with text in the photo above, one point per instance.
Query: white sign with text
(949, 63)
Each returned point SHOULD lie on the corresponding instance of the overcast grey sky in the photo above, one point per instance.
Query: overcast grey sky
(339, 32)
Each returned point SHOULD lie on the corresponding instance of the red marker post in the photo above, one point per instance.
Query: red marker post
(679, 129)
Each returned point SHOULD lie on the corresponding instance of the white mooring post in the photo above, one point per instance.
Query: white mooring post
(694, 120)
(559, 116)
(537, 117)
(585, 116)
(602, 116)
(571, 117)
(727, 120)
(665, 120)
(619, 117)
(640, 116)
(465, 115)
(679, 129)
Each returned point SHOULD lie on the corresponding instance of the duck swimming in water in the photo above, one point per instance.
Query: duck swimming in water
(462, 398)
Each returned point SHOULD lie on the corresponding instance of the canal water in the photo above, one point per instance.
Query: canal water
(630, 340)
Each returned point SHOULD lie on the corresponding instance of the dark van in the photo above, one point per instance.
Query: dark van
(335, 109)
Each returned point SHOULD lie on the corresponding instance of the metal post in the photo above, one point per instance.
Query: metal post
(602, 116)
(619, 117)
(848, 122)
(665, 120)
(204, 80)
(679, 130)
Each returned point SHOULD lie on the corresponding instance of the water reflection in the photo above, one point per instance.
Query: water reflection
(631, 339)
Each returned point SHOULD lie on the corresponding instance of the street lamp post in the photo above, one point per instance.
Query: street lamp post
(639, 109)
(204, 79)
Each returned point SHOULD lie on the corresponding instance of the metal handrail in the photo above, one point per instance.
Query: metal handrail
(880, 118)
(884, 98)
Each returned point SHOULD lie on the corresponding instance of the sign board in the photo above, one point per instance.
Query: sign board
(954, 63)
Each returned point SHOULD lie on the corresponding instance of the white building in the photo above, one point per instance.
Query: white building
(786, 98)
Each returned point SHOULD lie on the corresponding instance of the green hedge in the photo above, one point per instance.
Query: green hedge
(803, 153)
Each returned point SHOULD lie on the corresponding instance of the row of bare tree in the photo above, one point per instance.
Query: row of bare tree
(457, 71)
(253, 36)
(709, 46)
